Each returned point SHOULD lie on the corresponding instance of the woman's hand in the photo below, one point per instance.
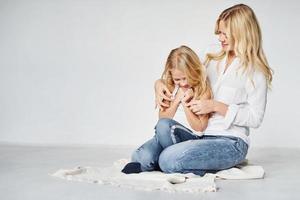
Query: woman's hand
(200, 107)
(162, 93)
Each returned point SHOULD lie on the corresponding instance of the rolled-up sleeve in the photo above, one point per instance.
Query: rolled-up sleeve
(251, 113)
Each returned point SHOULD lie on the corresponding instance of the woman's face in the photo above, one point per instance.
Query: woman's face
(223, 37)
(179, 78)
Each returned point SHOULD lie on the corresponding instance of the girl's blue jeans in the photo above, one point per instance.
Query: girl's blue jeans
(174, 148)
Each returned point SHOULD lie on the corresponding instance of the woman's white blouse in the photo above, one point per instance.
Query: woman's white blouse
(246, 99)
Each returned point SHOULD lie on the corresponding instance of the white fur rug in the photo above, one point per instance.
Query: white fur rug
(156, 180)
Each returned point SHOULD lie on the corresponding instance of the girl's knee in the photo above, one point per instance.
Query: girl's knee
(163, 124)
(163, 132)
(163, 128)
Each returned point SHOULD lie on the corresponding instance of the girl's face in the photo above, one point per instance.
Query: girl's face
(179, 78)
(223, 37)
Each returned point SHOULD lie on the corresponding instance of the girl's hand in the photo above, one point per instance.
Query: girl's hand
(188, 95)
(180, 94)
(161, 93)
(200, 107)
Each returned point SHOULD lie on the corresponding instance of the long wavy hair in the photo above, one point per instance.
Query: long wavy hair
(245, 33)
(186, 60)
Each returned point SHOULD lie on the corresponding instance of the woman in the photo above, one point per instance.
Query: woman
(185, 77)
(239, 75)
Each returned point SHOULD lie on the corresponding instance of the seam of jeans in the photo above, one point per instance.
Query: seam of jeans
(172, 134)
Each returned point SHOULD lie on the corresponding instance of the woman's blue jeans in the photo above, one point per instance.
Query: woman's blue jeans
(174, 148)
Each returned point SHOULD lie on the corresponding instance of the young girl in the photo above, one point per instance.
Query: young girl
(185, 76)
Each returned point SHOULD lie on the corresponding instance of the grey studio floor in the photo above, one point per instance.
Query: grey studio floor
(24, 175)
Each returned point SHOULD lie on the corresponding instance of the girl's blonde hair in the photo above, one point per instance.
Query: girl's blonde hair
(186, 60)
(244, 32)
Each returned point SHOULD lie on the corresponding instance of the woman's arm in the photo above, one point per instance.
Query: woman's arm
(162, 95)
(249, 114)
(208, 106)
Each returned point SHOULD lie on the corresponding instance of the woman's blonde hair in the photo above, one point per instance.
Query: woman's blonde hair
(186, 60)
(244, 32)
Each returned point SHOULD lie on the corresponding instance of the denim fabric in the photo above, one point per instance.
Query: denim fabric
(174, 148)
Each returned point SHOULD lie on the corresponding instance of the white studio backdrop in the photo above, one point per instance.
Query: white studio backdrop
(82, 71)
